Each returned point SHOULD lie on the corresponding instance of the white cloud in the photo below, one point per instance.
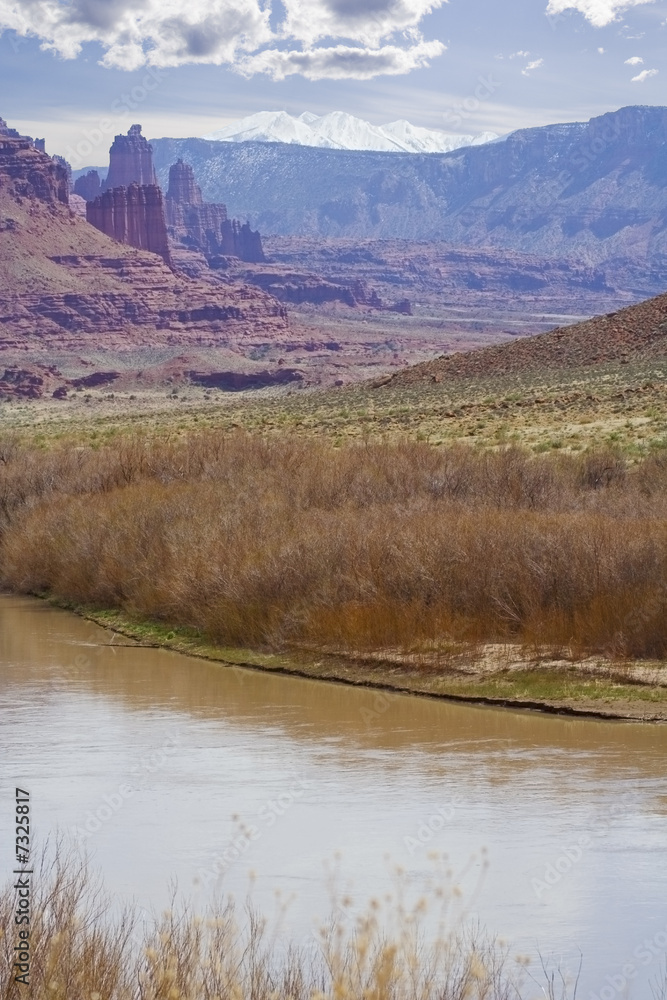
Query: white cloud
(644, 75)
(535, 64)
(342, 62)
(634, 61)
(384, 34)
(135, 32)
(601, 51)
(521, 54)
(598, 12)
(365, 21)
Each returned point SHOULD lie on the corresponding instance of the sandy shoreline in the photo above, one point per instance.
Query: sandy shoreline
(613, 691)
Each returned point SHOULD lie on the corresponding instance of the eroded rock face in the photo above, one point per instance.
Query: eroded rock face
(77, 205)
(183, 189)
(240, 241)
(204, 226)
(130, 161)
(298, 287)
(133, 215)
(89, 186)
(28, 383)
(149, 305)
(192, 223)
(26, 172)
(237, 381)
(64, 283)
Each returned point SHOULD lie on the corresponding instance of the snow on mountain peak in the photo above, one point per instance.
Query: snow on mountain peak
(339, 130)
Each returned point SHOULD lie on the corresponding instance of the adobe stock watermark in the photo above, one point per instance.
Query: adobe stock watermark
(382, 701)
(643, 955)
(485, 88)
(557, 868)
(432, 825)
(267, 817)
(114, 801)
(554, 18)
(580, 160)
(15, 41)
(121, 110)
(551, 190)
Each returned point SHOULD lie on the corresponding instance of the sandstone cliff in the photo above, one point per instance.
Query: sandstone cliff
(130, 160)
(89, 186)
(192, 223)
(26, 172)
(183, 189)
(65, 284)
(204, 226)
(240, 241)
(133, 215)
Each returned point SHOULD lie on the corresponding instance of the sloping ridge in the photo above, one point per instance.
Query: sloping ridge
(636, 333)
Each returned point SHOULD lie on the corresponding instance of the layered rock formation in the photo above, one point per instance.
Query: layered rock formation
(296, 288)
(130, 160)
(89, 186)
(64, 284)
(191, 222)
(237, 381)
(129, 206)
(204, 226)
(78, 205)
(132, 215)
(183, 189)
(26, 172)
(239, 240)
(28, 383)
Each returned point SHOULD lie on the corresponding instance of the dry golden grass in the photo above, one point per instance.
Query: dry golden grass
(82, 951)
(277, 541)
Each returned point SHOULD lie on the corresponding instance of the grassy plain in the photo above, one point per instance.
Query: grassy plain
(620, 406)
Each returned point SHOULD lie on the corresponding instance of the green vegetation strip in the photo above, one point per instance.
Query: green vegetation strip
(560, 691)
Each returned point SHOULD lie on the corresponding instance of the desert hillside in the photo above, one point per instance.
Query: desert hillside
(637, 333)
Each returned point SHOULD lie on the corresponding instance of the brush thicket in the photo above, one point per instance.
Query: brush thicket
(277, 541)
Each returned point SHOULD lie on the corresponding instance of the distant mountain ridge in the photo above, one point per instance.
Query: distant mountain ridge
(595, 190)
(339, 130)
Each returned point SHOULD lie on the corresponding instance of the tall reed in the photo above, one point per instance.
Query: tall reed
(82, 950)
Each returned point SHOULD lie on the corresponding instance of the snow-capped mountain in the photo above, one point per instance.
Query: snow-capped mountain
(339, 130)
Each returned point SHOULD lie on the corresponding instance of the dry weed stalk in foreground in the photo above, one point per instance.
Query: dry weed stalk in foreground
(272, 542)
(81, 952)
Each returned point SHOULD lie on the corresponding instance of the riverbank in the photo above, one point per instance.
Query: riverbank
(500, 676)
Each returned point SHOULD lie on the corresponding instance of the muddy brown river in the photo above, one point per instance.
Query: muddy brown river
(170, 768)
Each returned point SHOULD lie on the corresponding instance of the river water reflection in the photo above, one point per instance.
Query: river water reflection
(571, 815)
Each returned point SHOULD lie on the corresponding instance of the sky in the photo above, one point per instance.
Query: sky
(79, 71)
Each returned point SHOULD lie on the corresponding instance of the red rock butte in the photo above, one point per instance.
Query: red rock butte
(196, 224)
(133, 215)
(130, 160)
(191, 222)
(183, 189)
(64, 284)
